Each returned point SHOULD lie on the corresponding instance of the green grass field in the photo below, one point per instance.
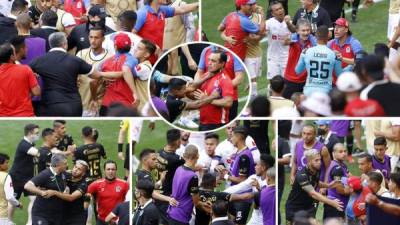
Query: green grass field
(353, 168)
(11, 132)
(370, 28)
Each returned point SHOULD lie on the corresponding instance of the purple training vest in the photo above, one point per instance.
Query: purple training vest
(384, 167)
(332, 193)
(301, 160)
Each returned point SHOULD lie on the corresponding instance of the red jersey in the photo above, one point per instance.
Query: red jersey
(76, 8)
(211, 114)
(362, 108)
(118, 90)
(295, 50)
(16, 82)
(108, 194)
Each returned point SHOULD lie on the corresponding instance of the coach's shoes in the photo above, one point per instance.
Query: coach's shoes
(186, 122)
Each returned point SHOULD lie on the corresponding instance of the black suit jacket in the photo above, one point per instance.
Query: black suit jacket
(223, 222)
(44, 33)
(150, 216)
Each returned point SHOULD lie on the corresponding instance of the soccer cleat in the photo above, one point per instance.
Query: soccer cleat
(353, 18)
(185, 122)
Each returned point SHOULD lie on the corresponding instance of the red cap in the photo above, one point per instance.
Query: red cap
(342, 22)
(355, 183)
(362, 108)
(122, 40)
(244, 2)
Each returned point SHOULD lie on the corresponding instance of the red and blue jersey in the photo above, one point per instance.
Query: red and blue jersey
(150, 24)
(232, 66)
(118, 90)
(295, 50)
(239, 26)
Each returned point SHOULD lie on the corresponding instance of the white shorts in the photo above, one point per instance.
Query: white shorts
(5, 221)
(393, 21)
(275, 67)
(253, 65)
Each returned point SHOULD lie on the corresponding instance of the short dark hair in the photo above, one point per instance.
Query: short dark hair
(98, 28)
(109, 161)
(381, 50)
(3, 158)
(338, 100)
(277, 83)
(212, 135)
(367, 156)
(268, 160)
(88, 131)
(49, 18)
(18, 42)
(19, 5)
(376, 177)
(125, 49)
(47, 132)
(242, 131)
(146, 187)
(274, 2)
(323, 32)
(6, 51)
(395, 177)
(149, 45)
(57, 123)
(208, 181)
(220, 208)
(260, 106)
(176, 84)
(173, 135)
(146, 152)
(223, 57)
(29, 128)
(380, 141)
(127, 19)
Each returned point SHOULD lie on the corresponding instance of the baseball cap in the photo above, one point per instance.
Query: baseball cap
(97, 10)
(355, 183)
(244, 2)
(342, 22)
(318, 102)
(323, 122)
(374, 66)
(348, 82)
(122, 40)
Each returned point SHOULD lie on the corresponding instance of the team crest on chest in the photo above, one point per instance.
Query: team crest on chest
(118, 189)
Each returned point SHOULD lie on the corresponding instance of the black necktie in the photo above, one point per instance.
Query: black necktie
(137, 216)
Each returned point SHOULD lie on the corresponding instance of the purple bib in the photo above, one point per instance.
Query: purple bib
(332, 193)
(384, 167)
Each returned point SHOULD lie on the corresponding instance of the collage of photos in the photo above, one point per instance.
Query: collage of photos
(199, 112)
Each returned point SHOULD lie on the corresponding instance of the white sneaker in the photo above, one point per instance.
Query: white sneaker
(185, 122)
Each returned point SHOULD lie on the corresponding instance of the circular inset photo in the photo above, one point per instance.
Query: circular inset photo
(199, 86)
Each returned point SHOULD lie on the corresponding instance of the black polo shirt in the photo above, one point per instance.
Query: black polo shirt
(333, 7)
(316, 18)
(143, 174)
(388, 96)
(92, 154)
(122, 211)
(298, 198)
(202, 218)
(44, 159)
(332, 141)
(75, 208)
(52, 207)
(258, 130)
(23, 164)
(64, 142)
(79, 37)
(173, 162)
(175, 107)
(59, 72)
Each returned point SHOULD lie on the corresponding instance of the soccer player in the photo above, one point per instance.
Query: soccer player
(268, 199)
(380, 160)
(185, 190)
(22, 169)
(237, 27)
(211, 141)
(216, 114)
(151, 19)
(65, 141)
(74, 213)
(45, 152)
(308, 142)
(303, 195)
(109, 191)
(365, 166)
(48, 209)
(124, 132)
(91, 152)
(320, 63)
(301, 40)
(91, 90)
(336, 171)
(65, 22)
(277, 33)
(6, 187)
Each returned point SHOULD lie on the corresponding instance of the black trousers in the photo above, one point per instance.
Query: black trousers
(40, 220)
(68, 109)
(240, 210)
(206, 127)
(292, 87)
(233, 111)
(330, 212)
(175, 222)
(76, 219)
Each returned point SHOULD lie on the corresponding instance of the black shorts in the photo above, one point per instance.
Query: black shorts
(72, 109)
(240, 210)
(233, 111)
(207, 127)
(127, 157)
(331, 212)
(290, 212)
(292, 87)
(175, 222)
(76, 219)
(19, 188)
(40, 220)
(100, 222)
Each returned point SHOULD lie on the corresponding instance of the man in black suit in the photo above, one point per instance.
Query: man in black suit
(48, 21)
(220, 213)
(146, 212)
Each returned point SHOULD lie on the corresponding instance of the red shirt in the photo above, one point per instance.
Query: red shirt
(233, 28)
(211, 114)
(108, 195)
(362, 108)
(295, 50)
(76, 8)
(16, 82)
(118, 90)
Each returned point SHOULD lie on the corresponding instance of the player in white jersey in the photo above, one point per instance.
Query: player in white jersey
(393, 22)
(277, 34)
